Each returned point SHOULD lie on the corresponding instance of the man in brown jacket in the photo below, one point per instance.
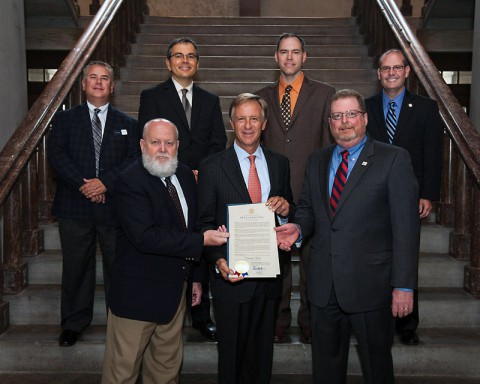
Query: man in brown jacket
(297, 126)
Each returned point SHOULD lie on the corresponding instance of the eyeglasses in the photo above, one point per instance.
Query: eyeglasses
(350, 114)
(396, 68)
(181, 56)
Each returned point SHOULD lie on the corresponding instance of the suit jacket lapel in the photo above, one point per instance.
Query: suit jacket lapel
(190, 197)
(273, 172)
(196, 107)
(274, 104)
(379, 117)
(234, 173)
(362, 164)
(176, 104)
(324, 178)
(303, 96)
(405, 113)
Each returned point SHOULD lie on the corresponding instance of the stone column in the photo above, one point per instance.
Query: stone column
(13, 98)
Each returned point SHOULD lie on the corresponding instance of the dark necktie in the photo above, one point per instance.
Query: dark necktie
(186, 107)
(97, 137)
(339, 181)
(285, 107)
(391, 121)
(254, 186)
(178, 206)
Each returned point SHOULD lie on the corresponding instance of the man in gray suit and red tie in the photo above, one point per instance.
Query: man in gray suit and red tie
(360, 205)
(412, 122)
(244, 309)
(298, 125)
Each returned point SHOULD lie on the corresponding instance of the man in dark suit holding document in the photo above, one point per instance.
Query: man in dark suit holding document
(244, 308)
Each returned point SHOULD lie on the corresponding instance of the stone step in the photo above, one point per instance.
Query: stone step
(442, 352)
(255, 21)
(214, 39)
(233, 88)
(251, 75)
(210, 378)
(208, 49)
(439, 307)
(249, 61)
(306, 31)
(435, 270)
(433, 238)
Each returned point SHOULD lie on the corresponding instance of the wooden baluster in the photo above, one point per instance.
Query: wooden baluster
(472, 271)
(445, 212)
(46, 184)
(460, 237)
(32, 235)
(14, 269)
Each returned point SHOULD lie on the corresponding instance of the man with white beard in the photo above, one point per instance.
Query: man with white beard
(157, 251)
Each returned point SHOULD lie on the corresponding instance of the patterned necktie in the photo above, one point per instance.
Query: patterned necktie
(178, 206)
(186, 107)
(97, 137)
(339, 181)
(254, 187)
(391, 121)
(285, 107)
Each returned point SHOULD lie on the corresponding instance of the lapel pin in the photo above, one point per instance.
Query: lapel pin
(410, 105)
(364, 163)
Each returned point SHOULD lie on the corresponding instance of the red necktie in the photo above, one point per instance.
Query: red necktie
(339, 181)
(254, 187)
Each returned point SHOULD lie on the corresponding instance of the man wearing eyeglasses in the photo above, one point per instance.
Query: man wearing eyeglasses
(197, 115)
(359, 203)
(298, 125)
(412, 122)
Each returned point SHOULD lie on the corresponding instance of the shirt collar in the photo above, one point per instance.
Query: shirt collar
(102, 108)
(179, 87)
(398, 100)
(296, 84)
(242, 154)
(354, 151)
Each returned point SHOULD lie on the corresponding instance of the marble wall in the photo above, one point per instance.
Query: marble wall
(274, 8)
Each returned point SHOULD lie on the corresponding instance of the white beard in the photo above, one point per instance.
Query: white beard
(158, 169)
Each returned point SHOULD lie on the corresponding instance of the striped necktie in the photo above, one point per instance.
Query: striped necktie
(391, 121)
(339, 181)
(176, 200)
(186, 107)
(97, 137)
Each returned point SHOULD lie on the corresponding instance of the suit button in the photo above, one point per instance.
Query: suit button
(287, 141)
(183, 268)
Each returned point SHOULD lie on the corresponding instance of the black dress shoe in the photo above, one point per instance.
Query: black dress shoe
(68, 338)
(207, 328)
(279, 334)
(409, 338)
(306, 337)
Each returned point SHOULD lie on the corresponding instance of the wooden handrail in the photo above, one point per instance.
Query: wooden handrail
(28, 135)
(25, 178)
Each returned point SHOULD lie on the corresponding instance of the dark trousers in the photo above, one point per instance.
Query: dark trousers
(79, 242)
(331, 333)
(245, 339)
(284, 312)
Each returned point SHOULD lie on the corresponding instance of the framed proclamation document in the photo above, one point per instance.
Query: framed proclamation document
(252, 245)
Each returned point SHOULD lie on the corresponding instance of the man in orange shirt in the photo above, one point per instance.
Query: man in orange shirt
(297, 126)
